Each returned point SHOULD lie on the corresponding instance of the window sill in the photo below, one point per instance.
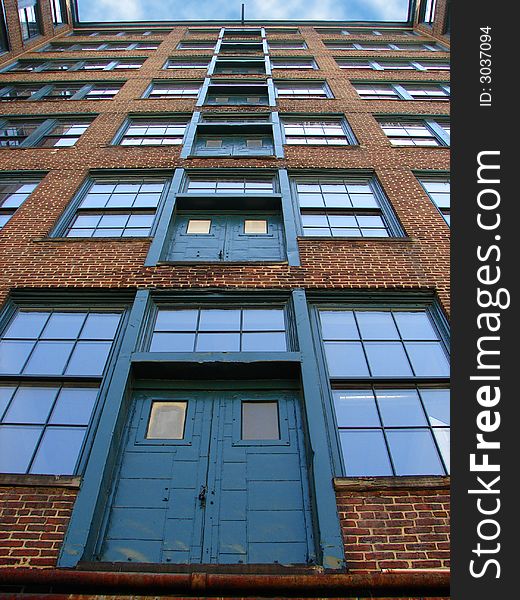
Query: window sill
(391, 483)
(15, 479)
(96, 239)
(354, 239)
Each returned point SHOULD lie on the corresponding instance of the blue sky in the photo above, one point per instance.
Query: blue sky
(173, 10)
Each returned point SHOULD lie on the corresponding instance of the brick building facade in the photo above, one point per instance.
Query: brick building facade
(225, 359)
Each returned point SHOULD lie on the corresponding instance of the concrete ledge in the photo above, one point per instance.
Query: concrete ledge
(8, 479)
(391, 483)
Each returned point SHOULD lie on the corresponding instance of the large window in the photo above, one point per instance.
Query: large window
(29, 15)
(377, 46)
(188, 63)
(24, 66)
(302, 89)
(344, 207)
(293, 62)
(142, 131)
(60, 91)
(230, 184)
(43, 133)
(393, 65)
(14, 191)
(389, 373)
(115, 208)
(403, 91)
(417, 132)
(92, 47)
(245, 93)
(317, 131)
(51, 365)
(170, 89)
(59, 12)
(438, 189)
(219, 330)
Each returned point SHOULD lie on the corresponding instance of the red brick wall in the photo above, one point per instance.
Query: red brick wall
(16, 45)
(395, 529)
(33, 521)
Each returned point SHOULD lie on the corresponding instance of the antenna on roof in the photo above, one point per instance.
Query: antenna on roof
(243, 13)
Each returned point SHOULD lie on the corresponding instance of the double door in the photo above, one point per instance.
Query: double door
(211, 477)
(227, 236)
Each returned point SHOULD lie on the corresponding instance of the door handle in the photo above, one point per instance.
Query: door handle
(202, 496)
(220, 255)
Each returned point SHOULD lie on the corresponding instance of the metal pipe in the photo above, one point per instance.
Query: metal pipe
(196, 584)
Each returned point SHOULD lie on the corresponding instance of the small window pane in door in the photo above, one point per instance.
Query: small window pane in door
(254, 143)
(260, 421)
(167, 420)
(213, 143)
(258, 227)
(199, 226)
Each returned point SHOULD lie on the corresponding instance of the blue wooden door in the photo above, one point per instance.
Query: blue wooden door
(227, 236)
(229, 487)
(234, 145)
(198, 237)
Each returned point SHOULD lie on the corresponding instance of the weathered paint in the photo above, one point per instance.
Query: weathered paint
(256, 506)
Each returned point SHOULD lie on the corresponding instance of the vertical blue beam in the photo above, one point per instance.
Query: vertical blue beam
(164, 220)
(289, 220)
(202, 92)
(321, 470)
(212, 65)
(89, 507)
(277, 135)
(271, 94)
(189, 136)
(439, 131)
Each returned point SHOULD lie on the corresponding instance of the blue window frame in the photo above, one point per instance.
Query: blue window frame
(195, 62)
(60, 91)
(317, 131)
(413, 131)
(438, 189)
(293, 62)
(152, 131)
(14, 191)
(98, 46)
(57, 66)
(243, 47)
(393, 65)
(230, 329)
(287, 45)
(51, 366)
(29, 16)
(378, 46)
(50, 132)
(389, 374)
(403, 91)
(232, 135)
(114, 207)
(244, 93)
(344, 206)
(173, 89)
(196, 45)
(239, 66)
(302, 89)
